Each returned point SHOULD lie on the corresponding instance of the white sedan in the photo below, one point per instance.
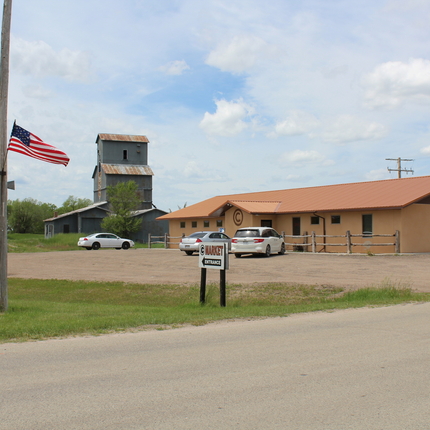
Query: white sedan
(104, 240)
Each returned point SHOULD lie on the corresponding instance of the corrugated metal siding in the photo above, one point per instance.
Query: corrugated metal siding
(122, 138)
(122, 169)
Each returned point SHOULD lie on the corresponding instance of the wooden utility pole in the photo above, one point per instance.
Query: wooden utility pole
(399, 169)
(4, 87)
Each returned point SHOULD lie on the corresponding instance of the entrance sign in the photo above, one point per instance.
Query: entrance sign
(213, 255)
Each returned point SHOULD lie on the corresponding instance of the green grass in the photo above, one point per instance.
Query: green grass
(40, 309)
(18, 242)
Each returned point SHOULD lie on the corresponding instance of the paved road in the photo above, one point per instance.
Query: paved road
(355, 369)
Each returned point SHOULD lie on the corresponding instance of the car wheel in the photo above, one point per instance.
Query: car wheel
(189, 252)
(96, 246)
(125, 245)
(282, 251)
(88, 248)
(238, 255)
(267, 254)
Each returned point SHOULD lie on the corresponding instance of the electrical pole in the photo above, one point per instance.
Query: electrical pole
(399, 169)
(4, 84)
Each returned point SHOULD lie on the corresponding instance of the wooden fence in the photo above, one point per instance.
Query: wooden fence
(310, 242)
(158, 239)
(165, 239)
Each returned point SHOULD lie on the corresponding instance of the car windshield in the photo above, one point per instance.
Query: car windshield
(247, 233)
(200, 234)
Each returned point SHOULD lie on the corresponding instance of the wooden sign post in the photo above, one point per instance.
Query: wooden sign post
(213, 255)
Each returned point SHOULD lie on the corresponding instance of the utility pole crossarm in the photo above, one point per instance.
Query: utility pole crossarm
(399, 166)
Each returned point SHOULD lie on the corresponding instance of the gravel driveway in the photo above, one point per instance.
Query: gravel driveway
(173, 266)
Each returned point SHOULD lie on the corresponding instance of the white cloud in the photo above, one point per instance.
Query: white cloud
(192, 170)
(395, 82)
(425, 151)
(298, 122)
(289, 60)
(376, 175)
(300, 157)
(239, 55)
(177, 67)
(40, 59)
(228, 120)
(36, 92)
(348, 128)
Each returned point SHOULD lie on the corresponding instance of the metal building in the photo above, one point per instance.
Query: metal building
(120, 158)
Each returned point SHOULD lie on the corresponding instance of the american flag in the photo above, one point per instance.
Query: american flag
(27, 143)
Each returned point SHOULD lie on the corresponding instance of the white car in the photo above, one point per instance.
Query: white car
(257, 240)
(104, 240)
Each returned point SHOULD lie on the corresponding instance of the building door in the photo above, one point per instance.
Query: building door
(296, 226)
(367, 222)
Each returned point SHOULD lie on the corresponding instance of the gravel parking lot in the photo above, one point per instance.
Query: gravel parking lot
(172, 266)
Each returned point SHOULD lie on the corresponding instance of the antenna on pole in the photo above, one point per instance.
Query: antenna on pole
(399, 169)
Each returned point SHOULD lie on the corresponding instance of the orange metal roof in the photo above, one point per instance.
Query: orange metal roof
(122, 137)
(124, 169)
(386, 194)
(256, 207)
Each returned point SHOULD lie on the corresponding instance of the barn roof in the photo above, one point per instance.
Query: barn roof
(126, 169)
(77, 211)
(122, 138)
(375, 195)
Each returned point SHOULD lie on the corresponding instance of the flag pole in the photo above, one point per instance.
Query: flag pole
(4, 85)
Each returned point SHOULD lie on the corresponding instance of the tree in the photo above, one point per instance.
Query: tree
(124, 200)
(73, 203)
(27, 216)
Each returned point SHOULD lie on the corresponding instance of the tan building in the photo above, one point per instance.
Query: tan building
(363, 210)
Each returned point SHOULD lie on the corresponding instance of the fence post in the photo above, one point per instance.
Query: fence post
(348, 242)
(166, 245)
(305, 240)
(314, 245)
(149, 240)
(397, 244)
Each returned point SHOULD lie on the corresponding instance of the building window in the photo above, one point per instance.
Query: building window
(194, 224)
(206, 224)
(125, 154)
(266, 223)
(182, 224)
(367, 222)
(66, 228)
(315, 219)
(335, 219)
(219, 222)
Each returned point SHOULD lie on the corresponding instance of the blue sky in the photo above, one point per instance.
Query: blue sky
(234, 96)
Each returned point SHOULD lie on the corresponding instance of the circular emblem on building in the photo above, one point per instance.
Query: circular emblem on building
(238, 217)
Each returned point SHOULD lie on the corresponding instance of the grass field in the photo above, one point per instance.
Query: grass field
(41, 309)
(37, 243)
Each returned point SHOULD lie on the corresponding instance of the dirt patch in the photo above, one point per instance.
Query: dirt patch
(174, 267)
